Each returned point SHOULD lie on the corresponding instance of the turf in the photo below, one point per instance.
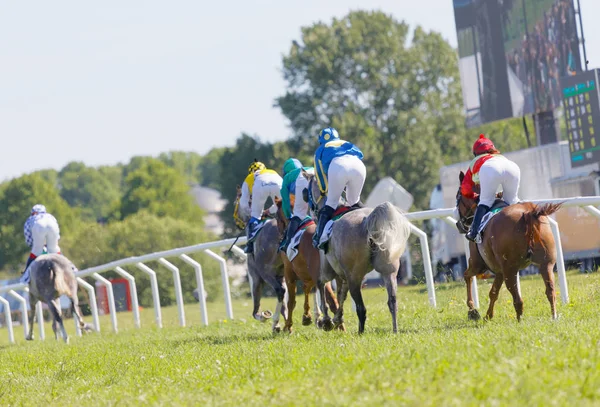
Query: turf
(438, 358)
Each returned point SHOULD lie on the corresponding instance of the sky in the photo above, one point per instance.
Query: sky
(101, 82)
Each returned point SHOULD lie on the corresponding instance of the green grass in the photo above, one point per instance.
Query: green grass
(439, 358)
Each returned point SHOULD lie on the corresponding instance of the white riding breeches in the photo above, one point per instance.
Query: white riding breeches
(265, 186)
(495, 172)
(45, 232)
(300, 207)
(347, 172)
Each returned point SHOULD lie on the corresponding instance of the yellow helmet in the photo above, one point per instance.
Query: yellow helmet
(256, 165)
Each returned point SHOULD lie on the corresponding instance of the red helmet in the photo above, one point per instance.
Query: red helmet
(483, 145)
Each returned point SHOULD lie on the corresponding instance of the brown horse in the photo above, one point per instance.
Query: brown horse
(514, 238)
(305, 267)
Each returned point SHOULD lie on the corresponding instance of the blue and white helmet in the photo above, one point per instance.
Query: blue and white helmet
(328, 134)
(38, 209)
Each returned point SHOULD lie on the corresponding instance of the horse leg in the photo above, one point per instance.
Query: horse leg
(256, 290)
(476, 266)
(342, 293)
(317, 308)
(494, 291)
(361, 310)
(33, 301)
(331, 299)
(547, 272)
(278, 285)
(54, 306)
(307, 318)
(391, 286)
(512, 284)
(290, 282)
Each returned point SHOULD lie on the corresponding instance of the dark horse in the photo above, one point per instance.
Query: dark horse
(305, 267)
(517, 236)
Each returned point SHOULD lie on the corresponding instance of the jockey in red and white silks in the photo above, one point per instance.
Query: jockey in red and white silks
(489, 169)
(41, 229)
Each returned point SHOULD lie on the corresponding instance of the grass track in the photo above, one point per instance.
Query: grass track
(438, 358)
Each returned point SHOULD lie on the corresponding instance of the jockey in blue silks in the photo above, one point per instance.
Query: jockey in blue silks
(293, 184)
(338, 166)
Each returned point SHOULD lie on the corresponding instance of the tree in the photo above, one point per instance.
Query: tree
(186, 163)
(18, 197)
(160, 190)
(89, 189)
(399, 101)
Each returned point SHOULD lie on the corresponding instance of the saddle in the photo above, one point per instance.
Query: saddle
(292, 250)
(497, 207)
(337, 215)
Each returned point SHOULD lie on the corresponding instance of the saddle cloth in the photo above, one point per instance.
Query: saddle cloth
(341, 211)
(292, 250)
(258, 229)
(498, 205)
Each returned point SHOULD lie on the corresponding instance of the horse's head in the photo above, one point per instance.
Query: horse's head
(466, 208)
(312, 195)
(240, 218)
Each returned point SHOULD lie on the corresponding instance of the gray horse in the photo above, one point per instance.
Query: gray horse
(265, 265)
(360, 241)
(53, 275)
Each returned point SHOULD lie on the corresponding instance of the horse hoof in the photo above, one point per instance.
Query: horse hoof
(29, 338)
(288, 330)
(306, 320)
(474, 315)
(319, 323)
(341, 327)
(276, 329)
(328, 325)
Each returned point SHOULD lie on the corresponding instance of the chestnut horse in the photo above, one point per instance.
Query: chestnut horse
(514, 238)
(305, 267)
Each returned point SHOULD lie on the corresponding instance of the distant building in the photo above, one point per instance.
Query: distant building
(210, 200)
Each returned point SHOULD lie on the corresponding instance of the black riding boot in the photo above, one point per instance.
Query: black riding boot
(29, 260)
(249, 232)
(324, 217)
(479, 214)
(290, 232)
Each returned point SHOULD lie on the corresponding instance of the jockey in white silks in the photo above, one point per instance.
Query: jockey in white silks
(260, 185)
(41, 229)
(338, 166)
(489, 169)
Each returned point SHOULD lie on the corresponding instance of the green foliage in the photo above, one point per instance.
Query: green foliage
(160, 190)
(186, 163)
(18, 197)
(139, 234)
(438, 357)
(88, 189)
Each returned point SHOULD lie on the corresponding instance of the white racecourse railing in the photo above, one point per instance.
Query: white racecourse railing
(448, 215)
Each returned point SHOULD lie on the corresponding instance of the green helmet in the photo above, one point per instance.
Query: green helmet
(290, 165)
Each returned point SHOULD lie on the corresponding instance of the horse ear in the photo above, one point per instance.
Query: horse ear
(461, 176)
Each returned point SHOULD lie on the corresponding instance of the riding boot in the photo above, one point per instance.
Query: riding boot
(290, 232)
(29, 261)
(479, 214)
(324, 217)
(249, 232)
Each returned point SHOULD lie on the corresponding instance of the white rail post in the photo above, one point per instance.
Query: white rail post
(155, 297)
(40, 318)
(111, 300)
(426, 263)
(178, 294)
(24, 318)
(8, 319)
(560, 262)
(200, 283)
(474, 291)
(133, 293)
(93, 304)
(225, 280)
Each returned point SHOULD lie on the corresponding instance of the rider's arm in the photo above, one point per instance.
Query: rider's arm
(466, 187)
(285, 197)
(320, 171)
(245, 199)
(27, 232)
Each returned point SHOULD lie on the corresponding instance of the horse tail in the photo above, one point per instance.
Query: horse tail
(532, 222)
(57, 274)
(388, 230)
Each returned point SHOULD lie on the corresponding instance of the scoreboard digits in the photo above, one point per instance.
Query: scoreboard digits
(582, 114)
